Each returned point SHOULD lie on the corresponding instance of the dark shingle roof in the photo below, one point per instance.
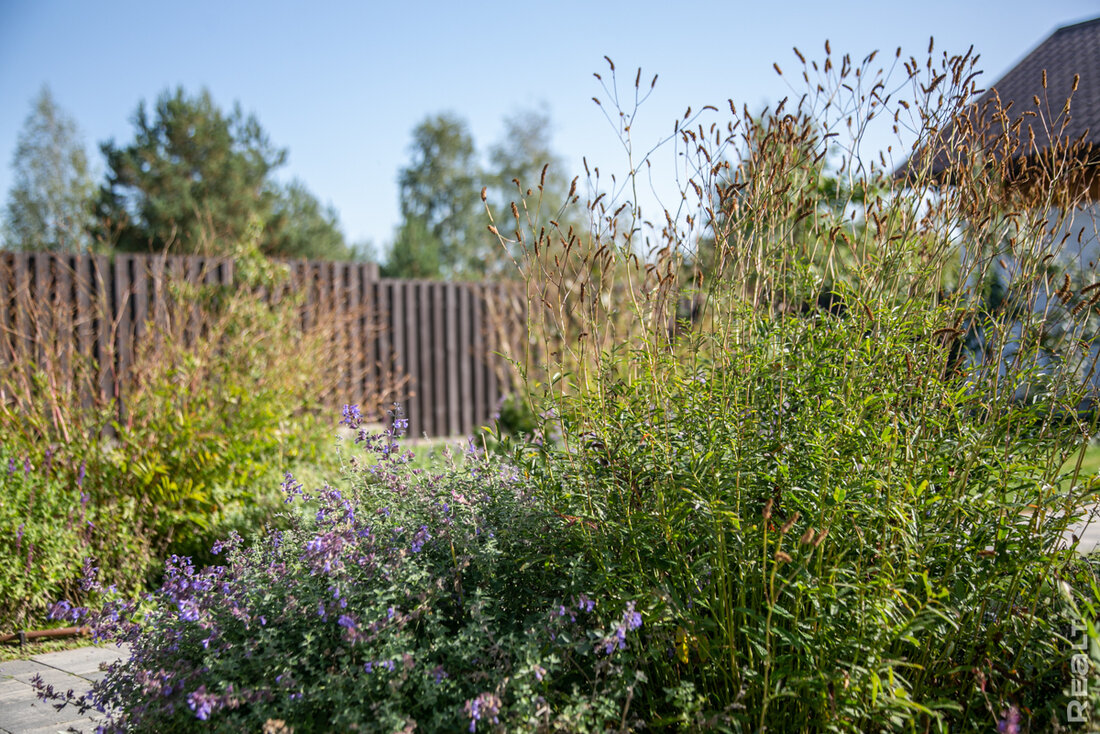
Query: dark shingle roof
(1069, 51)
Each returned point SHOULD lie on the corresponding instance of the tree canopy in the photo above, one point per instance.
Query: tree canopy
(49, 205)
(444, 228)
(194, 178)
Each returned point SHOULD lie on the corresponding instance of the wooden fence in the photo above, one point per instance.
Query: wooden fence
(433, 347)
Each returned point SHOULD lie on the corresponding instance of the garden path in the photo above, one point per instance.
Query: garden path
(20, 710)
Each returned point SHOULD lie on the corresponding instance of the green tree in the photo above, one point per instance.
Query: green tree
(416, 253)
(441, 208)
(528, 172)
(300, 227)
(191, 180)
(49, 206)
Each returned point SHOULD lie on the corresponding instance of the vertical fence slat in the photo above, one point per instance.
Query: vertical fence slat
(479, 363)
(7, 308)
(84, 326)
(450, 335)
(383, 304)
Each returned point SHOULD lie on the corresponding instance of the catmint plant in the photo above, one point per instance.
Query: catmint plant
(392, 599)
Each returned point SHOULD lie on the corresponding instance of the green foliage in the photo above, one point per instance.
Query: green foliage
(192, 177)
(396, 601)
(208, 426)
(195, 178)
(211, 418)
(835, 517)
(445, 191)
(50, 203)
(49, 524)
(439, 202)
(300, 228)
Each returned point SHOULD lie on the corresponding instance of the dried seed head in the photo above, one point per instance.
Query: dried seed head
(768, 509)
(790, 523)
(807, 537)
(782, 557)
(820, 537)
(484, 193)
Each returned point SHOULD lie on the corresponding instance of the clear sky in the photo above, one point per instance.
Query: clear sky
(342, 84)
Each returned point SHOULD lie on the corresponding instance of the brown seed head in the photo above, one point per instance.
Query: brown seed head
(790, 523)
(782, 557)
(768, 509)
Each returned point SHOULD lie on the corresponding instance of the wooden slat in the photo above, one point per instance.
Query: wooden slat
(424, 386)
(64, 303)
(382, 341)
(482, 410)
(395, 299)
(407, 325)
(450, 380)
(84, 325)
(492, 387)
(123, 336)
(7, 307)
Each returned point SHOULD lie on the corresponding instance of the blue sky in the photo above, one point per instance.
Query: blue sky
(342, 84)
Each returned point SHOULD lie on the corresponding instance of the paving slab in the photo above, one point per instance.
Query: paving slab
(21, 712)
(83, 661)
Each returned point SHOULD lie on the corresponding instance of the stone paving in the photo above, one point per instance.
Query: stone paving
(21, 712)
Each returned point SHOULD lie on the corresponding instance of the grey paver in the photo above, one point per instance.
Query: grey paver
(83, 661)
(21, 712)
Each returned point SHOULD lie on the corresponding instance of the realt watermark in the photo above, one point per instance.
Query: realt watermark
(1077, 710)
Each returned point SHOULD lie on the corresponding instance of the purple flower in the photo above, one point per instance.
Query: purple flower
(486, 705)
(422, 536)
(201, 703)
(1010, 723)
(631, 618)
(352, 416)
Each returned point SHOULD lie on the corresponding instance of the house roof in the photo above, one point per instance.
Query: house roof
(1068, 52)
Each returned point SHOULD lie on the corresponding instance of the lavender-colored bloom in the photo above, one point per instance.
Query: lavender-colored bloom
(201, 703)
(631, 618)
(352, 416)
(1010, 721)
(346, 621)
(421, 537)
(80, 479)
(485, 706)
(189, 612)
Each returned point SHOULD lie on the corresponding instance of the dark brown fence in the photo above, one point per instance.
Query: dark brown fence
(433, 347)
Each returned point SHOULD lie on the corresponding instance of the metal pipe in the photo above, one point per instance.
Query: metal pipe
(22, 636)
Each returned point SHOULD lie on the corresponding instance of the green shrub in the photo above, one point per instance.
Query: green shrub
(777, 433)
(398, 601)
(49, 529)
(210, 422)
